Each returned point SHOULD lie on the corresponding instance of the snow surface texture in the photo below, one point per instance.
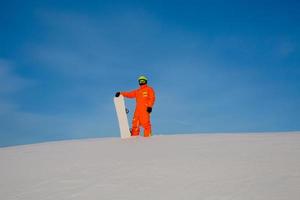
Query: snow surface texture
(208, 167)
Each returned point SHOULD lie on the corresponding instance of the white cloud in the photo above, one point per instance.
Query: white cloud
(285, 48)
(78, 45)
(19, 125)
(127, 42)
(9, 81)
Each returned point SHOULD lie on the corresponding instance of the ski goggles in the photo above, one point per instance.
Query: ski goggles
(142, 81)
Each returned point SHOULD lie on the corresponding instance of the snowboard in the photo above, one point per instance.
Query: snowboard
(122, 116)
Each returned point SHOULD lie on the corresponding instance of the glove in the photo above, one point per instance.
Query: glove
(117, 94)
(149, 109)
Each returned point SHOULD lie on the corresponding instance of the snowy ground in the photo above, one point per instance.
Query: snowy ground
(202, 167)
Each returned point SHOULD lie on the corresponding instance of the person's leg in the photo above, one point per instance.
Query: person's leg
(135, 130)
(146, 124)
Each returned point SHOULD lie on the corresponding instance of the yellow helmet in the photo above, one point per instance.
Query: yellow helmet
(143, 78)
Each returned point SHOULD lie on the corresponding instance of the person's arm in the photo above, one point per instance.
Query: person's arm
(151, 97)
(131, 94)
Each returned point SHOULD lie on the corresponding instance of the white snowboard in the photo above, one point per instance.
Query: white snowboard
(122, 116)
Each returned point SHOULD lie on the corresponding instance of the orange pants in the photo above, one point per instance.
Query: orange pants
(141, 118)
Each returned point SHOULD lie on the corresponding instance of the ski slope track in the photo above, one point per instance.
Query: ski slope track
(264, 166)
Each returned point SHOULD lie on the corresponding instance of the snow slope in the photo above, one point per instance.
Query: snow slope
(198, 166)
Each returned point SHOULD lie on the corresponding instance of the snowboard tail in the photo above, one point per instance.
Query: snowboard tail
(122, 117)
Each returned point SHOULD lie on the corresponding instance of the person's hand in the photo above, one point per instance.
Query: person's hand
(149, 109)
(117, 94)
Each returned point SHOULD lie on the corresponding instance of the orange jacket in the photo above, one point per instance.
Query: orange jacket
(145, 96)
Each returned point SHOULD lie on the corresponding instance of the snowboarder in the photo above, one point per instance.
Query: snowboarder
(145, 98)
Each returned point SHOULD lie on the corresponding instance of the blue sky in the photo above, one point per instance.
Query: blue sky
(216, 66)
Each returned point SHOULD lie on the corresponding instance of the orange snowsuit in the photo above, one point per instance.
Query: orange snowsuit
(145, 97)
